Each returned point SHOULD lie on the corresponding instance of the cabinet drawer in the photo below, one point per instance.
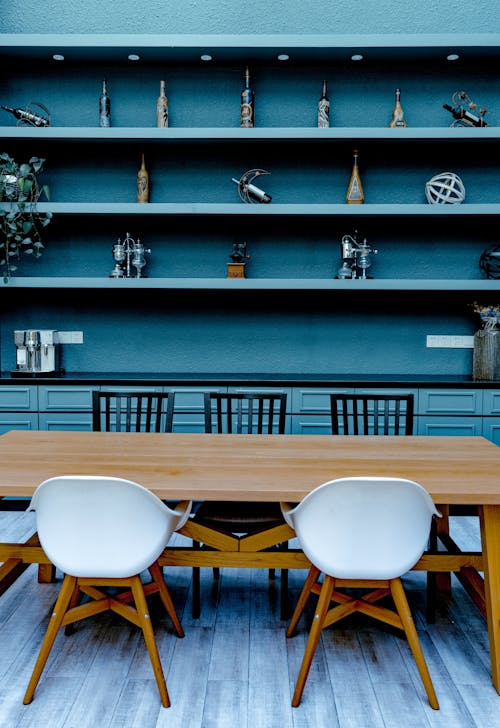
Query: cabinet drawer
(314, 401)
(491, 429)
(449, 426)
(450, 401)
(266, 390)
(18, 421)
(491, 402)
(61, 399)
(190, 399)
(311, 425)
(18, 399)
(74, 421)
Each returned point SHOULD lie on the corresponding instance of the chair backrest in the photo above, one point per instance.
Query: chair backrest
(369, 414)
(102, 526)
(364, 527)
(260, 414)
(132, 411)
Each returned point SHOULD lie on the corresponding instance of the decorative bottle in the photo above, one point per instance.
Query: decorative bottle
(247, 103)
(324, 109)
(162, 108)
(142, 183)
(397, 114)
(355, 194)
(104, 107)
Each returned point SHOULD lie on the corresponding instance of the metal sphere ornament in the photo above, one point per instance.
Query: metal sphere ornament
(445, 188)
(489, 262)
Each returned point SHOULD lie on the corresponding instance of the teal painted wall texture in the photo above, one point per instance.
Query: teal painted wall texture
(265, 332)
(256, 16)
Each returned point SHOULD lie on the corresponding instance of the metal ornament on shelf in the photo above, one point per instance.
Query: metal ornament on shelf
(355, 257)
(445, 188)
(249, 192)
(29, 115)
(129, 254)
(489, 262)
(465, 111)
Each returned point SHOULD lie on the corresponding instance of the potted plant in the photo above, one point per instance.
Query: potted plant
(20, 220)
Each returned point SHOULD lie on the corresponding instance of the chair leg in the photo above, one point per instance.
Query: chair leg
(399, 596)
(75, 598)
(149, 638)
(284, 606)
(60, 608)
(314, 635)
(302, 601)
(157, 575)
(196, 604)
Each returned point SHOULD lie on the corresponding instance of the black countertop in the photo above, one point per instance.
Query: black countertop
(168, 379)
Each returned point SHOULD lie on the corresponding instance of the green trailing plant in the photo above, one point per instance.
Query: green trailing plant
(21, 222)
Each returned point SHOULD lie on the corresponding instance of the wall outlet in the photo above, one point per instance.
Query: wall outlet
(441, 341)
(70, 337)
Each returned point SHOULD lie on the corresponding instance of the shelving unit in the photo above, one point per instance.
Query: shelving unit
(194, 215)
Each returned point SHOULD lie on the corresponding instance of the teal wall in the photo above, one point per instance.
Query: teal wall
(274, 332)
(252, 16)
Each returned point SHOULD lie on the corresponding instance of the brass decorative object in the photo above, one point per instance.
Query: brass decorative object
(355, 194)
(398, 119)
(249, 192)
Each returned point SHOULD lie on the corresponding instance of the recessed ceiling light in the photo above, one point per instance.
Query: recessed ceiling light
(283, 57)
(133, 57)
(356, 57)
(452, 57)
(206, 57)
(58, 57)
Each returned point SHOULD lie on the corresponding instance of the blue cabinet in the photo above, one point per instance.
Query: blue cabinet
(19, 398)
(18, 421)
(65, 399)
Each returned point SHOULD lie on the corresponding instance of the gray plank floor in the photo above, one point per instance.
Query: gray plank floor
(235, 667)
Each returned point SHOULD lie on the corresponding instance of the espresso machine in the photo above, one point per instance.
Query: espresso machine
(37, 353)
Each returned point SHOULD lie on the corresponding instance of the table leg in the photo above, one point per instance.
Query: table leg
(490, 539)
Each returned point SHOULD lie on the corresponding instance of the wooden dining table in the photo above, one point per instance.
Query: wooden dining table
(273, 468)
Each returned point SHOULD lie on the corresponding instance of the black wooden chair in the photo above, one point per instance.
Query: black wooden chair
(372, 414)
(132, 411)
(262, 413)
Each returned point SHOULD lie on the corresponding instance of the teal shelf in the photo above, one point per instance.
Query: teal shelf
(247, 48)
(255, 284)
(225, 134)
(239, 209)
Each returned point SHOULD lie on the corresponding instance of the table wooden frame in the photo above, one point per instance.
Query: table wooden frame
(455, 470)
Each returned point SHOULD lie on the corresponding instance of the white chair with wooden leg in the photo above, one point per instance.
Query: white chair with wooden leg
(363, 532)
(103, 532)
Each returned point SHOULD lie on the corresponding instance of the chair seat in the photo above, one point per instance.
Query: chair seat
(246, 517)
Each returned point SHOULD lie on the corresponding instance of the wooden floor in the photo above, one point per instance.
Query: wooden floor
(235, 667)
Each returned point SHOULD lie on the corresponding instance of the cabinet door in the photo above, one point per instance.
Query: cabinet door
(310, 400)
(65, 399)
(450, 402)
(304, 424)
(73, 421)
(449, 425)
(18, 421)
(18, 398)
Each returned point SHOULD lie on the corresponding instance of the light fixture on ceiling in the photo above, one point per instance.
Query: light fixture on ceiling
(452, 57)
(206, 57)
(133, 57)
(58, 57)
(357, 57)
(283, 57)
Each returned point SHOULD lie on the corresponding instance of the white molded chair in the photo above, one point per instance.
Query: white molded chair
(362, 532)
(103, 531)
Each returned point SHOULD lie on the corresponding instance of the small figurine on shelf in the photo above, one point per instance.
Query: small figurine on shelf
(398, 118)
(249, 192)
(324, 109)
(162, 108)
(236, 268)
(142, 183)
(104, 106)
(355, 194)
(464, 111)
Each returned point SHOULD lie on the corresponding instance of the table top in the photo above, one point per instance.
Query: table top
(251, 467)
